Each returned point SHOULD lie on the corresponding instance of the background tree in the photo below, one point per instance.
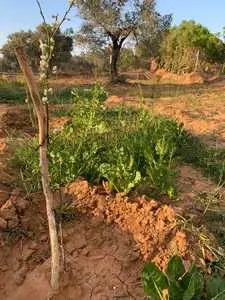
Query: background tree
(30, 42)
(190, 47)
(152, 33)
(109, 23)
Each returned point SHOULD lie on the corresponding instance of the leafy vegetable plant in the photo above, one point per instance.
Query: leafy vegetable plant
(176, 283)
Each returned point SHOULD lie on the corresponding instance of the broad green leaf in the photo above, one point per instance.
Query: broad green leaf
(187, 277)
(154, 281)
(220, 296)
(194, 287)
(175, 291)
(175, 268)
(214, 287)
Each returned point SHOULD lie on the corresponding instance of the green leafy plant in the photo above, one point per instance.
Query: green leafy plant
(124, 146)
(96, 92)
(176, 283)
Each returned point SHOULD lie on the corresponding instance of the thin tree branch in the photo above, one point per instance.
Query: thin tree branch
(64, 18)
(42, 125)
(41, 12)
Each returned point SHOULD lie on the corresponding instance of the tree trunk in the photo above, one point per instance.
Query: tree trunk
(113, 62)
(43, 128)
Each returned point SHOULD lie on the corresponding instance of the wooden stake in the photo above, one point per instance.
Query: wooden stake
(43, 128)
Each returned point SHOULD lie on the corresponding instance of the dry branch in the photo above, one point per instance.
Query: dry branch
(43, 127)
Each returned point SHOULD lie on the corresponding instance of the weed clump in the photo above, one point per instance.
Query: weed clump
(127, 147)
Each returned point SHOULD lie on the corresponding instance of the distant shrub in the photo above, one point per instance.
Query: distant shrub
(191, 47)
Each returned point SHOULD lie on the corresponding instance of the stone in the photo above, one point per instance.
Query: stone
(33, 246)
(84, 252)
(4, 268)
(44, 238)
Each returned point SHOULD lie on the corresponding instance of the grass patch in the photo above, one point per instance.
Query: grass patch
(62, 96)
(210, 160)
(12, 91)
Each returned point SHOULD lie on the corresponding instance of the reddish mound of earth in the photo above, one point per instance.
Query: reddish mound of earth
(104, 246)
(190, 78)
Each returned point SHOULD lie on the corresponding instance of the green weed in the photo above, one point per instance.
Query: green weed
(210, 160)
(121, 145)
(176, 283)
(62, 96)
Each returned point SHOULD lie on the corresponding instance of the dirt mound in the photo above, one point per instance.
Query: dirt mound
(183, 79)
(151, 224)
(100, 261)
(104, 246)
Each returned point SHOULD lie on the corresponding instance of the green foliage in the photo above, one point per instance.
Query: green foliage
(108, 24)
(176, 283)
(127, 60)
(26, 160)
(211, 160)
(124, 146)
(151, 35)
(97, 92)
(30, 42)
(12, 91)
(190, 47)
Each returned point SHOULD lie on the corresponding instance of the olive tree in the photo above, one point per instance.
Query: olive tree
(29, 40)
(109, 23)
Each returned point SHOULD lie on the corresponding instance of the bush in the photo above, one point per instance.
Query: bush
(124, 146)
(190, 47)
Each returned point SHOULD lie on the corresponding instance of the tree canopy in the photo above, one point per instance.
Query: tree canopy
(29, 40)
(109, 23)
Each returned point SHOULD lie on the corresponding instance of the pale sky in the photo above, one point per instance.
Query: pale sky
(16, 15)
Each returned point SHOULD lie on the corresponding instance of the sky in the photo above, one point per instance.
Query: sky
(16, 15)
